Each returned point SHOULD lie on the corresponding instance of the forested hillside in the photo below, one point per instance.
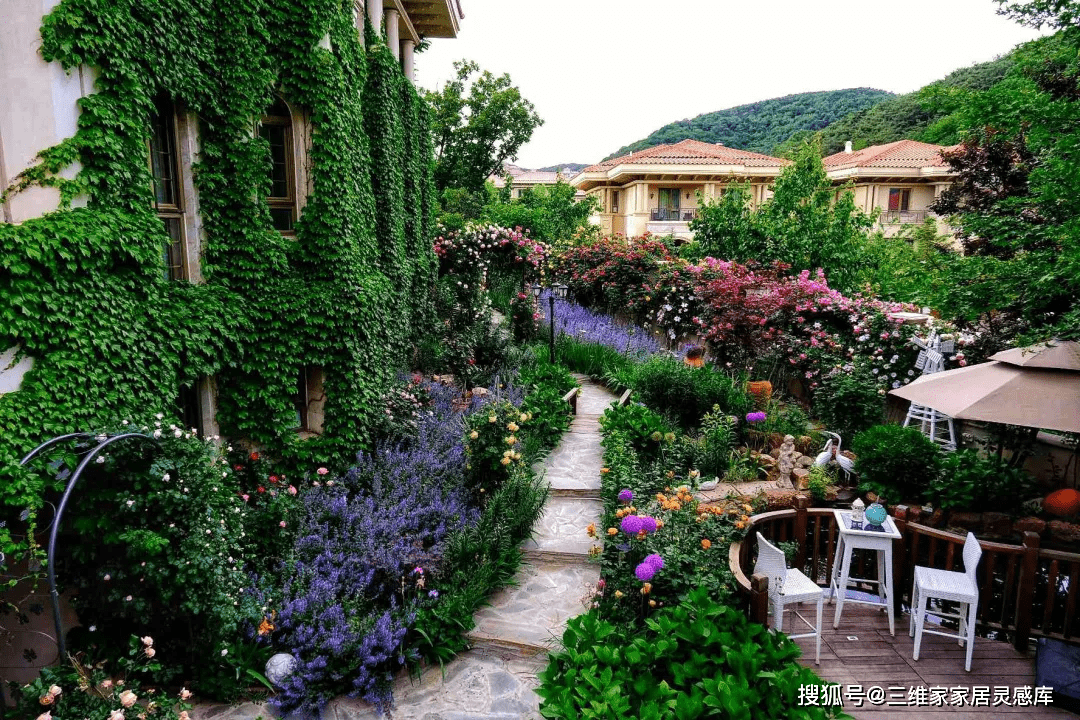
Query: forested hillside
(763, 125)
(904, 117)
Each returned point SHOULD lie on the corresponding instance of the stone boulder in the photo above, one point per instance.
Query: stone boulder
(966, 521)
(1029, 524)
(1064, 531)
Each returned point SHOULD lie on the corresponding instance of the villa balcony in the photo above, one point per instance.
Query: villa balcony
(672, 214)
(902, 217)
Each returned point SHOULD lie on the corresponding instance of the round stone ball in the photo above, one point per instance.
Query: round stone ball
(279, 667)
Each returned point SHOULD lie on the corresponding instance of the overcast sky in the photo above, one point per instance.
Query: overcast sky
(604, 73)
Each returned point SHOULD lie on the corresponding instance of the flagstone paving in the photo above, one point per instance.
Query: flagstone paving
(495, 679)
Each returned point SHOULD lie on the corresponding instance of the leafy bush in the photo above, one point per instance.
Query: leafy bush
(818, 482)
(494, 445)
(84, 687)
(686, 393)
(849, 402)
(524, 317)
(545, 385)
(973, 483)
(642, 428)
(896, 462)
(697, 659)
(717, 442)
(173, 542)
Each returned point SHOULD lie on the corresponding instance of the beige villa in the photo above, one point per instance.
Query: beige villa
(522, 179)
(895, 182)
(656, 190)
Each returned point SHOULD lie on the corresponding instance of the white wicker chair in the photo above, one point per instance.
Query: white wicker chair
(961, 587)
(786, 587)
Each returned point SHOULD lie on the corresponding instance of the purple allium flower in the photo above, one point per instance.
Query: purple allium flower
(631, 525)
(645, 571)
(648, 524)
(625, 496)
(756, 417)
(433, 593)
(655, 561)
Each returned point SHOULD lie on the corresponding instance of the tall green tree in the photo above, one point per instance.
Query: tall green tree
(548, 212)
(1016, 197)
(479, 121)
(806, 224)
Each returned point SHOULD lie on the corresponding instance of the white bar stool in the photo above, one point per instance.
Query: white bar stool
(961, 587)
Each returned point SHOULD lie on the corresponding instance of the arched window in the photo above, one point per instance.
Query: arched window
(277, 129)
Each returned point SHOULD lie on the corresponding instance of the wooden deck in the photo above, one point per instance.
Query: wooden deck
(876, 658)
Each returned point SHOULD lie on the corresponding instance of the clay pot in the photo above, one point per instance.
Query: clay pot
(1063, 503)
(761, 390)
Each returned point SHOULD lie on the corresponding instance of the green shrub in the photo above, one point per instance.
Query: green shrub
(977, 484)
(494, 446)
(849, 402)
(592, 359)
(643, 429)
(717, 441)
(545, 385)
(894, 461)
(685, 393)
(696, 659)
(819, 481)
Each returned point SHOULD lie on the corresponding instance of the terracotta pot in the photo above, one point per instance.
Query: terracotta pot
(761, 390)
(1063, 503)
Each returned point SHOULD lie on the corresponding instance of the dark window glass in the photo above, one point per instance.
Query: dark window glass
(189, 408)
(165, 176)
(276, 129)
(174, 251)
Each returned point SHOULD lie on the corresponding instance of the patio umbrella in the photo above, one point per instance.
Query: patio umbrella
(1002, 392)
(1057, 355)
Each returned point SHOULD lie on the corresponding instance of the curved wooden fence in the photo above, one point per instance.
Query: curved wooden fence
(1024, 591)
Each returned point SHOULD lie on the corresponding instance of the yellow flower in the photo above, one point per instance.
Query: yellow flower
(612, 531)
(747, 508)
(511, 440)
(706, 543)
(473, 435)
(740, 525)
(618, 594)
(491, 418)
(646, 588)
(508, 453)
(652, 603)
(659, 524)
(523, 417)
(505, 461)
(605, 471)
(591, 530)
(670, 474)
(512, 427)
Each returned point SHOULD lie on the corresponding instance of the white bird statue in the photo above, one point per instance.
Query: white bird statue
(831, 453)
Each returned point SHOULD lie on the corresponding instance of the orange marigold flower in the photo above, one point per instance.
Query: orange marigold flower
(652, 603)
(605, 471)
(266, 627)
(747, 507)
(612, 531)
(706, 543)
(646, 588)
(618, 594)
(659, 524)
(661, 497)
(740, 525)
(591, 530)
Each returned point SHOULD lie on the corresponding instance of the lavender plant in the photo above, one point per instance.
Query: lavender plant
(583, 324)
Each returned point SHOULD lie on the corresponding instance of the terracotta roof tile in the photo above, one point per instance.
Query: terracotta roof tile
(899, 154)
(691, 152)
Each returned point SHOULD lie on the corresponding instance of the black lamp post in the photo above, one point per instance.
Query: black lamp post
(557, 290)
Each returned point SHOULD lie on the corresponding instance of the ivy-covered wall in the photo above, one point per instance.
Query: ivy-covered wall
(82, 289)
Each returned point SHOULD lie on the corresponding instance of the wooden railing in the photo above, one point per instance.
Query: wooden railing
(1024, 591)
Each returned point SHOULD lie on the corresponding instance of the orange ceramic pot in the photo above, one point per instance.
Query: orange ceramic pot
(1063, 503)
(761, 390)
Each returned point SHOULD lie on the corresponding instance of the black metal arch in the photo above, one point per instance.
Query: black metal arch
(72, 481)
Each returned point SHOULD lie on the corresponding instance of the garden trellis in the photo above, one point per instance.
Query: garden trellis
(934, 424)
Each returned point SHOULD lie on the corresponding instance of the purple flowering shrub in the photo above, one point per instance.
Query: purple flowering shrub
(588, 326)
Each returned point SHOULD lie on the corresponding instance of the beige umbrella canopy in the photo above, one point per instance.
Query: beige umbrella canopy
(1026, 394)
(1059, 355)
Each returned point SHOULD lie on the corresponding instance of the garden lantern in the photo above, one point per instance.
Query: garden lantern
(858, 509)
(560, 290)
(536, 289)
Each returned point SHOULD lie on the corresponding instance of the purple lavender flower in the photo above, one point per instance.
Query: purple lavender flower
(631, 525)
(756, 417)
(648, 524)
(655, 561)
(585, 325)
(625, 496)
(645, 571)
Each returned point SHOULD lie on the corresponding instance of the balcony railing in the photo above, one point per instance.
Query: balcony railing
(673, 214)
(902, 217)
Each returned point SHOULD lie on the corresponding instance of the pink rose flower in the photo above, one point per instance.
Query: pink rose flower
(128, 698)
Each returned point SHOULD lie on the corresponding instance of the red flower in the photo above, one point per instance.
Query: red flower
(262, 489)
(238, 468)
(273, 479)
(254, 456)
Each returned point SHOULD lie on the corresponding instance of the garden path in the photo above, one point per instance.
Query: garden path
(495, 679)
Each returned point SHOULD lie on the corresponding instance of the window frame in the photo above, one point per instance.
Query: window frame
(614, 202)
(288, 201)
(904, 202)
(170, 213)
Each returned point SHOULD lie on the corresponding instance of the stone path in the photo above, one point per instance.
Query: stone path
(495, 679)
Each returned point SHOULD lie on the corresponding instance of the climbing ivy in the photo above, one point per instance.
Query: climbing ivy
(83, 291)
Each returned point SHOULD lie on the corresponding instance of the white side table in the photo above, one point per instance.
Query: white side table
(879, 541)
